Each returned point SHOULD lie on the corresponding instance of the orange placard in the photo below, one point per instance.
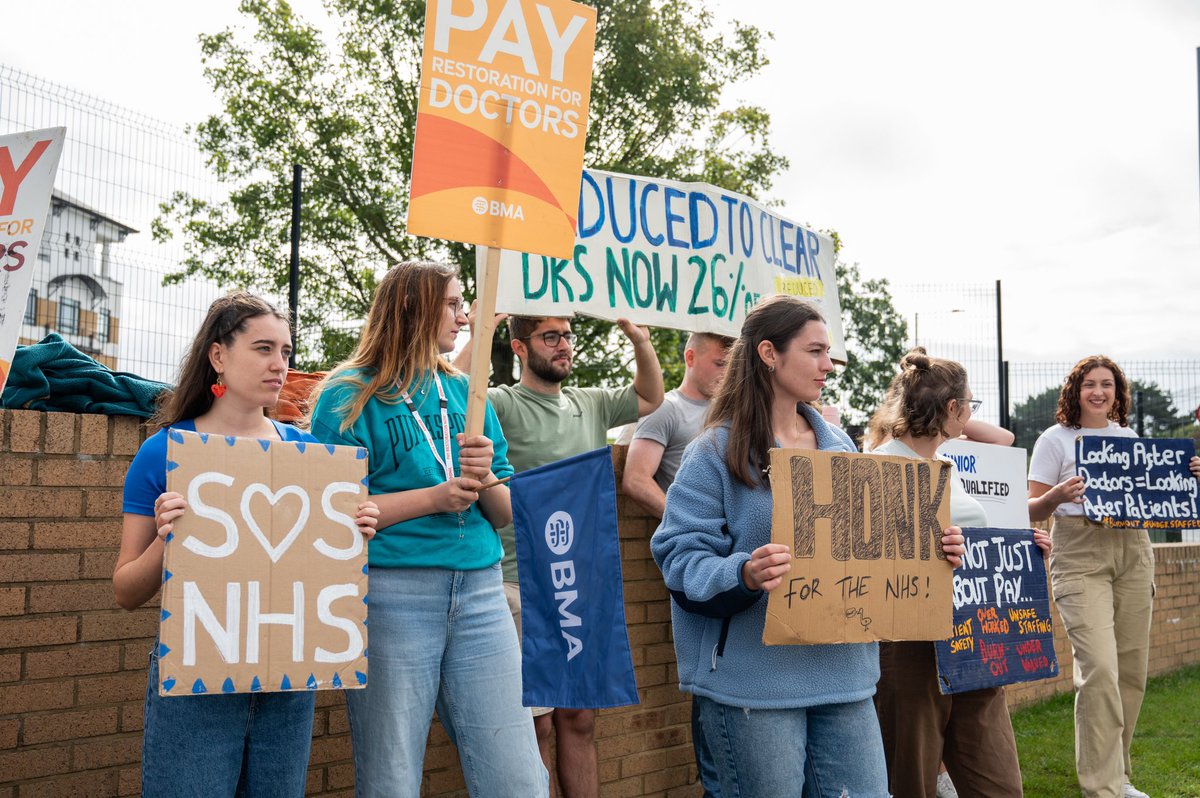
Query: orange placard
(505, 87)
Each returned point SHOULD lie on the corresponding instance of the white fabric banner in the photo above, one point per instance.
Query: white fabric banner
(687, 256)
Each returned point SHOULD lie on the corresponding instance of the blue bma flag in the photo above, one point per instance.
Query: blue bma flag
(575, 651)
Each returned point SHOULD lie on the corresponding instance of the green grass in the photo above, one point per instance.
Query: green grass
(1166, 745)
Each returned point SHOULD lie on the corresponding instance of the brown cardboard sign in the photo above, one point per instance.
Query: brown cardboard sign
(865, 532)
(265, 575)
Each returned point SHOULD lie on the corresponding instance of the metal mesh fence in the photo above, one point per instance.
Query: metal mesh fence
(958, 322)
(99, 276)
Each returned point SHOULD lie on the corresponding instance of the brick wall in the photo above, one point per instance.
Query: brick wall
(72, 664)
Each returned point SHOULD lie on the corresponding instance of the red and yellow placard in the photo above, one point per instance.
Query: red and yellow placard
(501, 124)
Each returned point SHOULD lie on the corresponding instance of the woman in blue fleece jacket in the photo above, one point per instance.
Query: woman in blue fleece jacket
(780, 720)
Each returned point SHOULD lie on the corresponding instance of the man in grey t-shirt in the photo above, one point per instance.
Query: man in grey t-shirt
(654, 457)
(661, 437)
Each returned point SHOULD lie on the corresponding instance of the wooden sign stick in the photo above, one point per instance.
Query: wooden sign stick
(481, 342)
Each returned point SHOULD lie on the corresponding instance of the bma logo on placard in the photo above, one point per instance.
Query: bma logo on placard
(483, 207)
(560, 537)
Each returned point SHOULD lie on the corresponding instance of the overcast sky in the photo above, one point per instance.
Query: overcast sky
(1052, 145)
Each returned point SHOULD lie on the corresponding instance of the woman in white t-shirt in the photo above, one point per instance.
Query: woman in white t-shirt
(1102, 580)
(928, 403)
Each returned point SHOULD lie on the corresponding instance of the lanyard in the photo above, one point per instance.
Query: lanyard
(447, 463)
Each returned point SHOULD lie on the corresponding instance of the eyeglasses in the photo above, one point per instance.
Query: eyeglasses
(974, 403)
(552, 337)
(456, 306)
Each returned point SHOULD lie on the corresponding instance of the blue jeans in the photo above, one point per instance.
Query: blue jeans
(225, 744)
(709, 778)
(443, 639)
(831, 751)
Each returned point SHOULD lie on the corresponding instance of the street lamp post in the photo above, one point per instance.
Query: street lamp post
(917, 322)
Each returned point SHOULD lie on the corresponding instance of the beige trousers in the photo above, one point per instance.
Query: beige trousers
(1103, 583)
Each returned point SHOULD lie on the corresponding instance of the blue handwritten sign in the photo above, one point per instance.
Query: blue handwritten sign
(1003, 631)
(687, 256)
(1138, 482)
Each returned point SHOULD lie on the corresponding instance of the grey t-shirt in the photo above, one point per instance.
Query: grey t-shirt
(673, 425)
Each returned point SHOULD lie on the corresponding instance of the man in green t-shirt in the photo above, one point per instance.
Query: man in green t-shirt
(543, 422)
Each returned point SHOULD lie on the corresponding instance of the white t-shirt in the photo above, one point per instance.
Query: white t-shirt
(965, 509)
(1053, 458)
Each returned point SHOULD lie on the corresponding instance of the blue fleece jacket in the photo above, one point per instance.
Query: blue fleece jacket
(712, 524)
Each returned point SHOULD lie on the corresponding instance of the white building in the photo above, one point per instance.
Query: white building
(73, 292)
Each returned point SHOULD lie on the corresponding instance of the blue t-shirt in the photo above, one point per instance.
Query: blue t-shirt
(146, 479)
(400, 458)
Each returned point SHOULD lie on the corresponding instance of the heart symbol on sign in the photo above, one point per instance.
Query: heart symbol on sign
(275, 552)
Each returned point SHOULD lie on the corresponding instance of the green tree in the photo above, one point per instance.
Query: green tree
(346, 111)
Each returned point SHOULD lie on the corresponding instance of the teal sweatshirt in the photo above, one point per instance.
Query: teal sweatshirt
(400, 459)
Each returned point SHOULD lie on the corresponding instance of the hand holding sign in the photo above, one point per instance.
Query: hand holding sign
(766, 567)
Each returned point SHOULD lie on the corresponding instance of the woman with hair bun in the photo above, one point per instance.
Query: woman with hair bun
(1102, 580)
(928, 403)
(781, 721)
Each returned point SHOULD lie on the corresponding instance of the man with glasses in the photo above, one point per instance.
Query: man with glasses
(545, 421)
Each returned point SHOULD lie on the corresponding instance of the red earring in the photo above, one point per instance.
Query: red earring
(218, 388)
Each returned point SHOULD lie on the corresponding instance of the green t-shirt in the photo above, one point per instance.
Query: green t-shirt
(541, 429)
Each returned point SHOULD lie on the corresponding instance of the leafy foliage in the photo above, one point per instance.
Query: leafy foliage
(345, 111)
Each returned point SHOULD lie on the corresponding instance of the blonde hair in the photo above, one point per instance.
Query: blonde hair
(399, 345)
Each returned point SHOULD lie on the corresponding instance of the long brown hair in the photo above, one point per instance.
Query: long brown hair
(399, 343)
(1068, 413)
(916, 401)
(226, 319)
(745, 396)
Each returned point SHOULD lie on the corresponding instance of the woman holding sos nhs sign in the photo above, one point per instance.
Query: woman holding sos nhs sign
(244, 743)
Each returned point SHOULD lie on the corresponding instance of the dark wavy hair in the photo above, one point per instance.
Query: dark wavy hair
(1067, 413)
(225, 321)
(745, 396)
(916, 401)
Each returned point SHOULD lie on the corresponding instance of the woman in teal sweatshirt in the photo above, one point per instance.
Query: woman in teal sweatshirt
(441, 634)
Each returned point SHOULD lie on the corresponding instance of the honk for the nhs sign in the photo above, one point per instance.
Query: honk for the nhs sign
(501, 122)
(688, 256)
(265, 575)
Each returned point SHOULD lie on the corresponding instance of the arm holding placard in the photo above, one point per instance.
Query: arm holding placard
(1194, 467)
(1044, 499)
(1045, 465)
(138, 572)
(694, 546)
(476, 460)
(983, 432)
(647, 374)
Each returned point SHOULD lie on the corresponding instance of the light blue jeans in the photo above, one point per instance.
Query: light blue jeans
(443, 639)
(831, 751)
(253, 744)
